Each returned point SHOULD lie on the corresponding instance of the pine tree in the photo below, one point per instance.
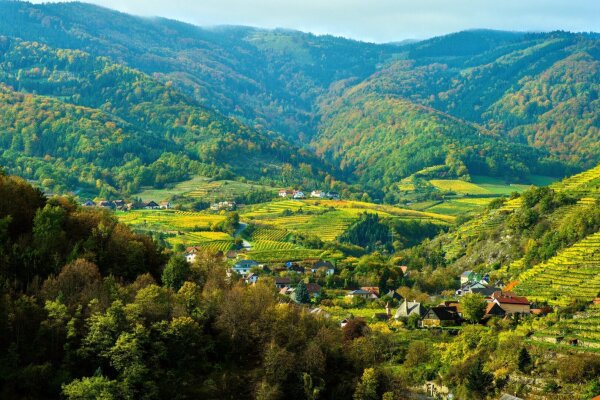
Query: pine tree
(301, 294)
(524, 360)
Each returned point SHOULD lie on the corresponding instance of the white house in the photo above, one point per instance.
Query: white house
(298, 195)
(286, 193)
(166, 205)
(365, 294)
(243, 267)
(252, 278)
(317, 194)
(190, 254)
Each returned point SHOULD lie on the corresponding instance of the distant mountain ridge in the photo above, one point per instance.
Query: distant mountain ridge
(480, 95)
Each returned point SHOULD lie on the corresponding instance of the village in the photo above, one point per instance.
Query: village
(303, 283)
(225, 205)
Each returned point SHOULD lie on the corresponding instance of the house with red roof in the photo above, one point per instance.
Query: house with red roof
(511, 303)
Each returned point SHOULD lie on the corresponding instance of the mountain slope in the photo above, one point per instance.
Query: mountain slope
(382, 139)
(537, 89)
(498, 91)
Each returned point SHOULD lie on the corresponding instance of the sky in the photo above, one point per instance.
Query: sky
(375, 20)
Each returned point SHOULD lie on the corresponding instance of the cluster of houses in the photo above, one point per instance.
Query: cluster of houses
(223, 206)
(127, 206)
(251, 271)
(317, 194)
(499, 304)
(476, 283)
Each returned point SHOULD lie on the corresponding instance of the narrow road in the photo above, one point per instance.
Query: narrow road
(245, 244)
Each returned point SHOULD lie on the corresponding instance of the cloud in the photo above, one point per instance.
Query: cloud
(376, 20)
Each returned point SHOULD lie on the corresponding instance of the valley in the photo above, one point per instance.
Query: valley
(232, 212)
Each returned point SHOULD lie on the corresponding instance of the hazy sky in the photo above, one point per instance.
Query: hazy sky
(376, 20)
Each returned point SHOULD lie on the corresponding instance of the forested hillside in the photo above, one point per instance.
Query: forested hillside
(74, 121)
(269, 79)
(382, 139)
(516, 91)
(89, 309)
(402, 108)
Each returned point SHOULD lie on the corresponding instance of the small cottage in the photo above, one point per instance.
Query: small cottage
(440, 316)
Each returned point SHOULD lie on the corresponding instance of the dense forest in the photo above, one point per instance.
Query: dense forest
(91, 310)
(72, 121)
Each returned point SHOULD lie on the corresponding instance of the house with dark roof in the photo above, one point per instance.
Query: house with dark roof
(106, 204)
(494, 310)
(485, 292)
(151, 205)
(392, 294)
(372, 289)
(408, 308)
(282, 282)
(440, 316)
(469, 287)
(325, 266)
(251, 278)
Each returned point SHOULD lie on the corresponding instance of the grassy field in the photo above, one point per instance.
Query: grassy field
(458, 186)
(339, 313)
(460, 206)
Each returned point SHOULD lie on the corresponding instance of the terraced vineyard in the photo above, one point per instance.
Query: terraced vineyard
(168, 220)
(581, 184)
(181, 227)
(326, 219)
(268, 233)
(284, 255)
(574, 273)
(583, 327)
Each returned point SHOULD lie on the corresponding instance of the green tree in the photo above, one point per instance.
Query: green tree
(301, 294)
(477, 381)
(473, 307)
(92, 388)
(176, 272)
(524, 360)
(368, 386)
